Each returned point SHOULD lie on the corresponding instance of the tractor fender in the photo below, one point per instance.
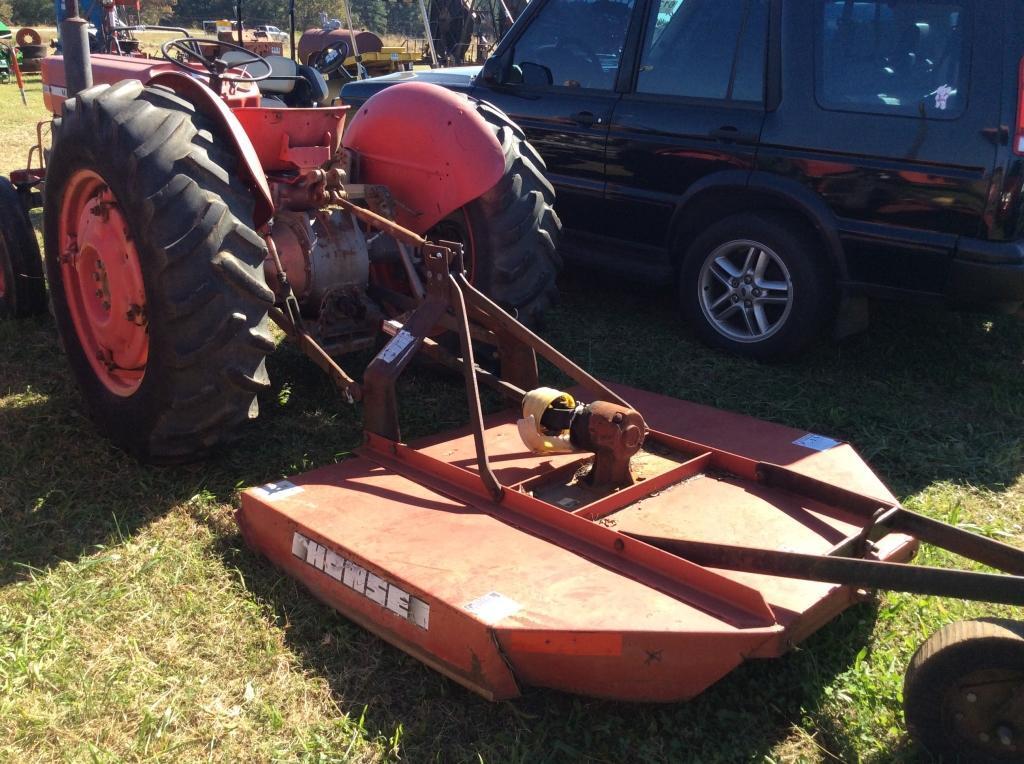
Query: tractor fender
(211, 106)
(429, 146)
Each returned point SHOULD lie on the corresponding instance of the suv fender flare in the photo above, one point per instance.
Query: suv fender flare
(429, 146)
(783, 193)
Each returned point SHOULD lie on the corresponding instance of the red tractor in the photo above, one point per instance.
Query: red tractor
(188, 197)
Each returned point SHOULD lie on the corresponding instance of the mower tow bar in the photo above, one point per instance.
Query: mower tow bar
(866, 574)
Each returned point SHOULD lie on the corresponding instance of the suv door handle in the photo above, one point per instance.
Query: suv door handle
(586, 118)
(1000, 136)
(731, 134)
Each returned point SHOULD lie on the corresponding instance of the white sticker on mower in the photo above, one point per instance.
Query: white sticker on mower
(816, 442)
(56, 90)
(278, 490)
(362, 581)
(396, 347)
(493, 607)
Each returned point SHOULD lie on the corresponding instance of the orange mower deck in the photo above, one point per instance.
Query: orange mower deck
(549, 587)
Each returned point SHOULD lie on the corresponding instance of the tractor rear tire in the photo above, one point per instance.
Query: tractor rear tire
(511, 232)
(139, 167)
(22, 289)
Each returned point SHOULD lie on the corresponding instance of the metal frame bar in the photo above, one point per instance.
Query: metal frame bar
(868, 574)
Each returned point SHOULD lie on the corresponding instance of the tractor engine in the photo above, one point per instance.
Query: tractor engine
(322, 251)
(326, 256)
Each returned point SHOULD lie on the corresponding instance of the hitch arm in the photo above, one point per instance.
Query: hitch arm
(349, 387)
(867, 574)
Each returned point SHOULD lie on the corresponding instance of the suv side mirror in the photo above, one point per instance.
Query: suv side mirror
(490, 74)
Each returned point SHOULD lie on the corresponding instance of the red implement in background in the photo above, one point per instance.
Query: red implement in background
(12, 57)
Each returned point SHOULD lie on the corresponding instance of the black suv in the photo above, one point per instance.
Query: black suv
(780, 160)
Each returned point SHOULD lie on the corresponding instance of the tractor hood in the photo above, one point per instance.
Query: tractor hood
(5, 31)
(459, 78)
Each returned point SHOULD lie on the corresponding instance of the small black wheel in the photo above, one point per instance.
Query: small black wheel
(22, 289)
(757, 286)
(963, 694)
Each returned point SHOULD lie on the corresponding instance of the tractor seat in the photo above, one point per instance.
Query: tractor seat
(295, 85)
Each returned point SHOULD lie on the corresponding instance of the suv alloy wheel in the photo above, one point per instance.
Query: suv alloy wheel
(757, 286)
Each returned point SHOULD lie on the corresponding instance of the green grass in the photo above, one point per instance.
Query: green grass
(18, 121)
(135, 625)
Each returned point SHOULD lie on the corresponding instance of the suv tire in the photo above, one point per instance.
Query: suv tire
(756, 286)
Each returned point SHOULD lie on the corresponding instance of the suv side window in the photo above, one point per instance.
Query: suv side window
(908, 58)
(705, 49)
(573, 44)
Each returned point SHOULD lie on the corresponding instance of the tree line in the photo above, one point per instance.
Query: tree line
(391, 16)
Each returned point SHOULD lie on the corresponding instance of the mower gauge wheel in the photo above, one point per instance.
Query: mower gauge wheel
(963, 694)
(190, 49)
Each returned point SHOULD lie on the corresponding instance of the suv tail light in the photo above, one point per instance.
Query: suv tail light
(1018, 136)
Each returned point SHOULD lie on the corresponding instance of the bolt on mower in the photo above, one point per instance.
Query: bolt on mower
(600, 540)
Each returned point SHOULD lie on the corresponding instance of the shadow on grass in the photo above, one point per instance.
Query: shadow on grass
(64, 489)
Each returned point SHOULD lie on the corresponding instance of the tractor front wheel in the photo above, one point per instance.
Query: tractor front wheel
(155, 273)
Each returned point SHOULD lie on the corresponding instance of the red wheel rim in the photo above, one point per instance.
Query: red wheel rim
(103, 283)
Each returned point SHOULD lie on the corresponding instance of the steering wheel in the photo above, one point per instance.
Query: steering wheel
(329, 60)
(189, 49)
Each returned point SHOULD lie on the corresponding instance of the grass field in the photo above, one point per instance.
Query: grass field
(135, 625)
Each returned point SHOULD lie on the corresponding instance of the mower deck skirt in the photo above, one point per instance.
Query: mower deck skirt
(498, 604)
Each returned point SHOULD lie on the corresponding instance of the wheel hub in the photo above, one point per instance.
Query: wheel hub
(745, 291)
(986, 709)
(103, 283)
